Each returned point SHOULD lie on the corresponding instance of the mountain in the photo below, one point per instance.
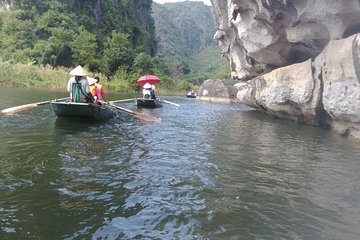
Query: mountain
(185, 36)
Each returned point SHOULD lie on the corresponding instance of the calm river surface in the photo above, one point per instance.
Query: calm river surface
(207, 171)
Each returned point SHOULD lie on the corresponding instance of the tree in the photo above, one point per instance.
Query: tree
(142, 63)
(84, 47)
(16, 36)
(51, 20)
(118, 52)
(60, 43)
(159, 66)
(179, 68)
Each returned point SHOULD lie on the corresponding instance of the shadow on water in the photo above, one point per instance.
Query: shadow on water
(279, 177)
(73, 124)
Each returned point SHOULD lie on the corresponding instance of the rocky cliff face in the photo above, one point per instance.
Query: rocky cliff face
(5, 5)
(324, 91)
(300, 57)
(260, 35)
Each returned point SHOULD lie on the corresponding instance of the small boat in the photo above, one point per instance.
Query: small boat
(148, 103)
(191, 95)
(82, 110)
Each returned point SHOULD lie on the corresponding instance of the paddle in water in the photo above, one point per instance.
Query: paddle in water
(27, 106)
(165, 101)
(123, 100)
(142, 116)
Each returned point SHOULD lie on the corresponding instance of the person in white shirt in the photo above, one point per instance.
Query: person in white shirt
(146, 91)
(78, 86)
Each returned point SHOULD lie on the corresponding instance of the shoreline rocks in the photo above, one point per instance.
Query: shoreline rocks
(215, 90)
(295, 59)
(323, 92)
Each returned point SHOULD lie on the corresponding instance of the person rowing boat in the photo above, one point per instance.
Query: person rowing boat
(78, 86)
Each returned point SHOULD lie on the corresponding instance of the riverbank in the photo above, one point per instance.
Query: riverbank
(47, 77)
(31, 76)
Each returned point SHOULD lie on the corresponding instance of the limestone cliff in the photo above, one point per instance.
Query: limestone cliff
(5, 5)
(260, 35)
(301, 57)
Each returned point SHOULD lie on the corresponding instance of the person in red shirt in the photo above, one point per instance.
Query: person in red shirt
(96, 89)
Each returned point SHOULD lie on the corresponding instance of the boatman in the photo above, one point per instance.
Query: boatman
(78, 86)
(152, 91)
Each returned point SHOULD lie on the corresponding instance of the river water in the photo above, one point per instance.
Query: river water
(207, 171)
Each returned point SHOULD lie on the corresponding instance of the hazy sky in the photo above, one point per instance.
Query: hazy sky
(207, 2)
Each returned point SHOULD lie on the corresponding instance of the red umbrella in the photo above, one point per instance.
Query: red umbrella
(152, 79)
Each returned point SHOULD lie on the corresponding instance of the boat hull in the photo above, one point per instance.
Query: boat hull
(191, 96)
(82, 110)
(148, 103)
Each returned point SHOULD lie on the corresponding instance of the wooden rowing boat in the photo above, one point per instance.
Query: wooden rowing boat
(148, 103)
(82, 110)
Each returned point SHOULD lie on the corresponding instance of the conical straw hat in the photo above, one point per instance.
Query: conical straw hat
(78, 71)
(147, 85)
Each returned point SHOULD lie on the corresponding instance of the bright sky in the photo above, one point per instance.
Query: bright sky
(207, 2)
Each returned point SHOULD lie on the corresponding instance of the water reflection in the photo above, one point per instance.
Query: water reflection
(279, 180)
(207, 171)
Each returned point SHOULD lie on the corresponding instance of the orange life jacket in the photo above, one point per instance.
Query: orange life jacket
(97, 90)
(93, 89)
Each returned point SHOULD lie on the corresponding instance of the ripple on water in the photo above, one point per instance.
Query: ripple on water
(207, 171)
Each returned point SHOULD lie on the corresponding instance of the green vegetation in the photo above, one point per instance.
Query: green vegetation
(69, 33)
(23, 75)
(41, 41)
(185, 31)
(37, 76)
(209, 60)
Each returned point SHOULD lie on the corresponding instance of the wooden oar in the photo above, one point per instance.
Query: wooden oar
(123, 100)
(27, 106)
(142, 116)
(170, 103)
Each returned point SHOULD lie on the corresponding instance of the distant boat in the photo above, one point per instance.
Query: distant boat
(148, 100)
(148, 103)
(82, 110)
(191, 94)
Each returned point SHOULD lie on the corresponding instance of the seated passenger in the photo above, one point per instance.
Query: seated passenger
(146, 91)
(152, 92)
(97, 91)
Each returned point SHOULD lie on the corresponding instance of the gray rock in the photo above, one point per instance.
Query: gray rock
(324, 92)
(288, 92)
(215, 90)
(258, 36)
(299, 58)
(340, 64)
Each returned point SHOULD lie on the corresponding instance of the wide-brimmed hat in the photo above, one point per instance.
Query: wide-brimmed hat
(91, 80)
(147, 85)
(78, 71)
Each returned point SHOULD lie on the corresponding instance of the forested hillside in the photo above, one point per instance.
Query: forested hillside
(103, 35)
(114, 38)
(185, 33)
